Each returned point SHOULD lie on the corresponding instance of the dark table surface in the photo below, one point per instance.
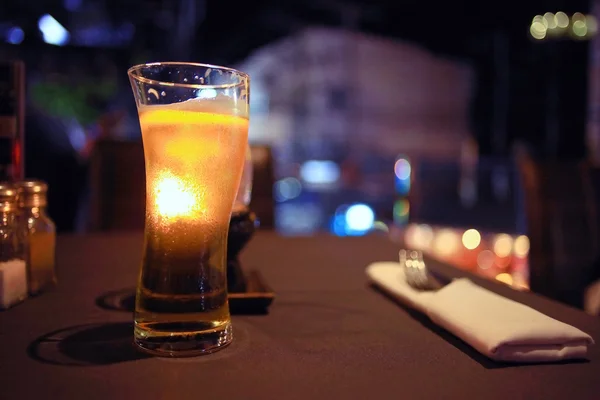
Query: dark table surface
(328, 335)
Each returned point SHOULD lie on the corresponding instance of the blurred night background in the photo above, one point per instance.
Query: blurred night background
(467, 130)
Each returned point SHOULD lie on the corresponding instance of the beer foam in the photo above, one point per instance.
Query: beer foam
(220, 105)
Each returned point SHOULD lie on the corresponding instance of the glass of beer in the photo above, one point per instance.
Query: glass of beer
(194, 120)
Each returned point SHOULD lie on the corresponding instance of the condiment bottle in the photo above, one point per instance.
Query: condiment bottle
(41, 235)
(13, 271)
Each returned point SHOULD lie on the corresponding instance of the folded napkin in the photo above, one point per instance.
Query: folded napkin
(497, 327)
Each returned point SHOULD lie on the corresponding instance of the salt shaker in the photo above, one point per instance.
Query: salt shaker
(13, 273)
(41, 235)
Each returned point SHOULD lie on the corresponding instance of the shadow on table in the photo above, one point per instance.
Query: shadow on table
(87, 345)
(239, 303)
(459, 344)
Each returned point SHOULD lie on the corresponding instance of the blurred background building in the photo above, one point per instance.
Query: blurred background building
(337, 120)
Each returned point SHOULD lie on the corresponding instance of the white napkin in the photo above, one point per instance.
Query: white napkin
(497, 327)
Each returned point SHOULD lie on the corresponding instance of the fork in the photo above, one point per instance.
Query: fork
(416, 273)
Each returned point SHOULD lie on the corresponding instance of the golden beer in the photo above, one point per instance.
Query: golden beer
(194, 154)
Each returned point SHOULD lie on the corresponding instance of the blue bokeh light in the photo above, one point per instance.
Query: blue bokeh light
(52, 31)
(15, 35)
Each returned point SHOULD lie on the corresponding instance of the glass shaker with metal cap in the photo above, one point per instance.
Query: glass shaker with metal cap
(11, 244)
(13, 282)
(41, 235)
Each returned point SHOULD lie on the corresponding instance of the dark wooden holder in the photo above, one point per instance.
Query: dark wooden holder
(248, 292)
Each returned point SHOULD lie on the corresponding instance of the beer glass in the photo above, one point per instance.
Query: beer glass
(194, 121)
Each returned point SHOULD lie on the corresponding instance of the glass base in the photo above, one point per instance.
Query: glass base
(179, 340)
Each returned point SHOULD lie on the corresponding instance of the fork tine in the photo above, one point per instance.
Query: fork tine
(415, 279)
(406, 265)
(402, 256)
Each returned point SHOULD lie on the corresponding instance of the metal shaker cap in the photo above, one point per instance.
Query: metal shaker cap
(8, 197)
(32, 193)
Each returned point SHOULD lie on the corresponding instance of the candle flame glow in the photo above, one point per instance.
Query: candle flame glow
(173, 198)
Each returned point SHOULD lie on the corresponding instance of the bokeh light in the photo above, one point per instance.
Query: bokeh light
(421, 237)
(549, 20)
(521, 246)
(577, 17)
(503, 245)
(471, 239)
(505, 278)
(402, 172)
(402, 169)
(380, 226)
(446, 242)
(287, 189)
(15, 35)
(320, 172)
(360, 217)
(401, 211)
(537, 30)
(562, 20)
(579, 28)
(485, 259)
(208, 93)
(52, 31)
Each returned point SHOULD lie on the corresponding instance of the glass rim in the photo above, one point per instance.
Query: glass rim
(139, 67)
